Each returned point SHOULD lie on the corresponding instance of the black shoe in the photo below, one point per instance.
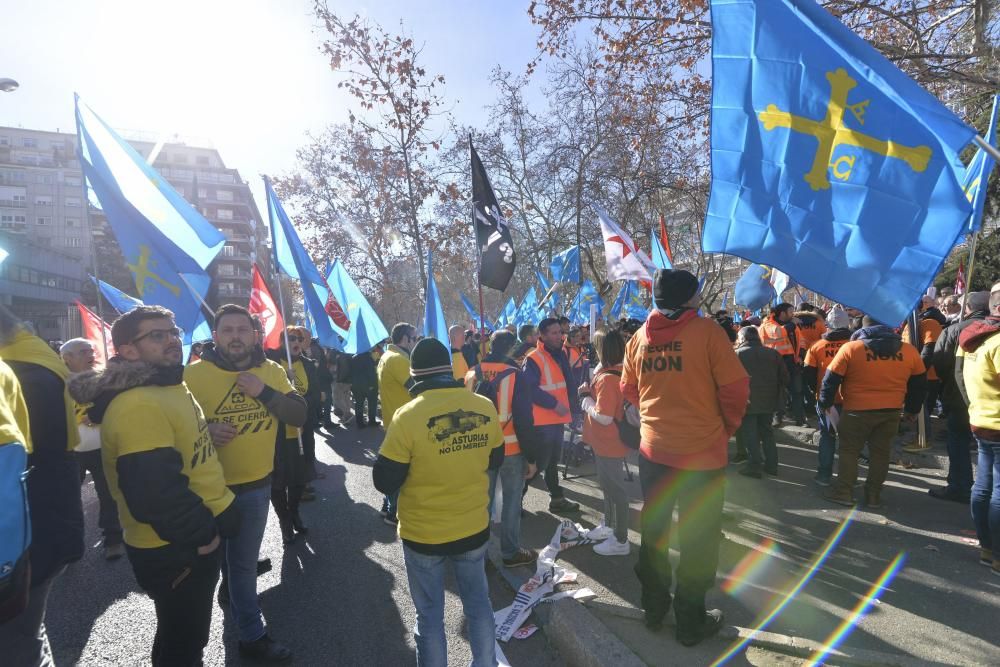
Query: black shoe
(773, 472)
(297, 524)
(740, 458)
(562, 505)
(362, 424)
(265, 649)
(710, 626)
(751, 471)
(942, 493)
(287, 532)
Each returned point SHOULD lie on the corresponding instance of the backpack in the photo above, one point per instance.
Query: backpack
(15, 531)
(627, 432)
(488, 388)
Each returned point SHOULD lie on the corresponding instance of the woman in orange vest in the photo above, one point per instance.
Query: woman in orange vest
(603, 408)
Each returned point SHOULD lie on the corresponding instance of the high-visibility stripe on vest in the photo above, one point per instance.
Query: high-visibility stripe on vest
(774, 336)
(552, 383)
(504, 403)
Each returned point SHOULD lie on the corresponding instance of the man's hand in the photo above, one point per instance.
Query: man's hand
(561, 410)
(250, 384)
(584, 390)
(221, 433)
(530, 470)
(210, 547)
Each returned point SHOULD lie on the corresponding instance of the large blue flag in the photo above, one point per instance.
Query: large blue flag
(827, 161)
(291, 258)
(629, 303)
(527, 312)
(977, 176)
(579, 312)
(565, 266)
(754, 288)
(435, 325)
(167, 244)
(469, 308)
(357, 308)
(658, 254)
(507, 314)
(118, 299)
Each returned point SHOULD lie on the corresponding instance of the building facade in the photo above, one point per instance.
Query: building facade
(52, 238)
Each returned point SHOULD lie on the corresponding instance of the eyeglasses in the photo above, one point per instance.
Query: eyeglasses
(298, 339)
(160, 335)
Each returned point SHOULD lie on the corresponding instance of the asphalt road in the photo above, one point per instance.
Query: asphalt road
(338, 597)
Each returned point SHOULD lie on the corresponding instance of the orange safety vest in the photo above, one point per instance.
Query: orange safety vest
(552, 383)
(504, 403)
(774, 336)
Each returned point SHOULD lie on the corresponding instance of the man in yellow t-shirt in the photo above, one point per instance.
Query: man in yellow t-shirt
(459, 366)
(436, 454)
(164, 474)
(245, 397)
(393, 383)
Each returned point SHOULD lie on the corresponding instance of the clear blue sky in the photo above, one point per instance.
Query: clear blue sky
(245, 74)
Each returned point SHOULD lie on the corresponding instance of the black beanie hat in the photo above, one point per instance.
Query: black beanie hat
(429, 357)
(672, 288)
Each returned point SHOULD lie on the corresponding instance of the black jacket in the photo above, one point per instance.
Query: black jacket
(363, 371)
(944, 361)
(312, 375)
(768, 377)
(54, 479)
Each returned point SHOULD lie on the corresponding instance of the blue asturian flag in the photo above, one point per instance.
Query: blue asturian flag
(754, 289)
(435, 324)
(507, 314)
(167, 244)
(658, 254)
(527, 312)
(357, 308)
(827, 161)
(977, 175)
(471, 310)
(291, 258)
(565, 266)
(580, 310)
(118, 299)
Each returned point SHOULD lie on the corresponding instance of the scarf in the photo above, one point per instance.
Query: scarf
(30, 349)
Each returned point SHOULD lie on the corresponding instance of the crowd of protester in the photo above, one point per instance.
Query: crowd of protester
(188, 459)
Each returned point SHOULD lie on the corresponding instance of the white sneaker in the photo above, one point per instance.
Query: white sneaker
(600, 533)
(612, 547)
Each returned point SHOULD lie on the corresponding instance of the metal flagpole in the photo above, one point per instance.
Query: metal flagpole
(921, 443)
(968, 274)
(281, 306)
(985, 145)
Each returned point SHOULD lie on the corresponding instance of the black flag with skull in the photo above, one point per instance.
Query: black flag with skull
(497, 257)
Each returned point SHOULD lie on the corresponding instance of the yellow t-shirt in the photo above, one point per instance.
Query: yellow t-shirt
(148, 418)
(301, 385)
(393, 374)
(459, 365)
(249, 456)
(13, 410)
(446, 436)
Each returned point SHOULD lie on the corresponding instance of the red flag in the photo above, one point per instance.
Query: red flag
(92, 327)
(335, 312)
(262, 305)
(665, 240)
(960, 278)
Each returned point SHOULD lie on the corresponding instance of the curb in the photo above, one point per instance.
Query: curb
(799, 435)
(578, 635)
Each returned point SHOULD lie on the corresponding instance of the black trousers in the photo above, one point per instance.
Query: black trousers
(107, 518)
(361, 396)
(698, 496)
(182, 588)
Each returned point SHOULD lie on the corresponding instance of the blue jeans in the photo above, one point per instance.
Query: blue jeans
(425, 575)
(511, 475)
(959, 461)
(986, 496)
(240, 560)
(827, 443)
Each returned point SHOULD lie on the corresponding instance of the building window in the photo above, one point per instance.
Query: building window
(202, 193)
(43, 221)
(180, 159)
(224, 214)
(43, 200)
(201, 159)
(73, 180)
(29, 142)
(72, 222)
(224, 195)
(72, 241)
(4, 141)
(228, 251)
(227, 270)
(72, 202)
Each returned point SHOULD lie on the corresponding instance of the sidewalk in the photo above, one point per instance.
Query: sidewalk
(940, 608)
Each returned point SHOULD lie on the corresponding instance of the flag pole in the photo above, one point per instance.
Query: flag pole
(968, 274)
(281, 302)
(987, 147)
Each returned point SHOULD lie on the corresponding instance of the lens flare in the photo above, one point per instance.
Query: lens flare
(749, 569)
(838, 636)
(810, 572)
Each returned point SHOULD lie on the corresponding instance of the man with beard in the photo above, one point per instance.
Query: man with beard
(165, 477)
(244, 396)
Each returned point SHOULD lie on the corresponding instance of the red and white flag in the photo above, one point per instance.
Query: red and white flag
(625, 260)
(92, 328)
(960, 279)
(262, 305)
(335, 312)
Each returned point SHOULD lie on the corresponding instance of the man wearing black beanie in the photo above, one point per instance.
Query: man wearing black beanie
(436, 454)
(691, 389)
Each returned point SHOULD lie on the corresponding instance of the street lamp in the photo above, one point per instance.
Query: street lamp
(8, 85)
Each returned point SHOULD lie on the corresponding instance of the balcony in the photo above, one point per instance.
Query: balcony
(233, 292)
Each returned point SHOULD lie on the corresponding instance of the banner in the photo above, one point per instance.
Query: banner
(93, 326)
(263, 306)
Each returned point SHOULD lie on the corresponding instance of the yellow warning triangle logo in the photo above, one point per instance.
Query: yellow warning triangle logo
(236, 401)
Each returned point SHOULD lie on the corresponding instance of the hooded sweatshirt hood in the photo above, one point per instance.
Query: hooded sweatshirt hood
(807, 317)
(933, 313)
(978, 332)
(842, 333)
(662, 328)
(880, 339)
